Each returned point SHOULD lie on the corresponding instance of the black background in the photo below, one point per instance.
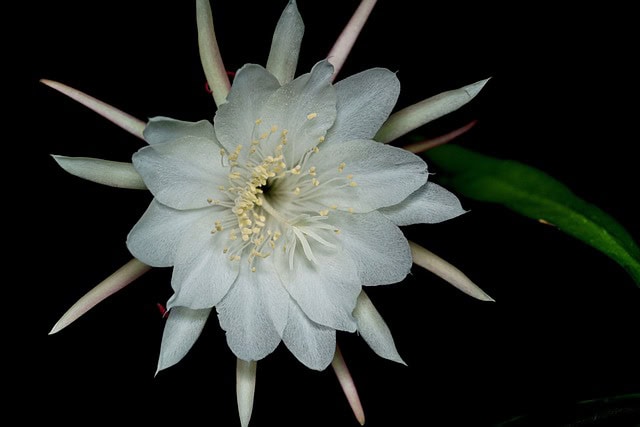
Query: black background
(565, 324)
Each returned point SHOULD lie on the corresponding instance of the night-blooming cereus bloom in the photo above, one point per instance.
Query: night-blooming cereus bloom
(282, 209)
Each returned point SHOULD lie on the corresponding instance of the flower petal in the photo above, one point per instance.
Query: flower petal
(165, 129)
(311, 343)
(234, 121)
(245, 315)
(373, 329)
(376, 245)
(202, 274)
(364, 102)
(184, 173)
(210, 53)
(432, 262)
(285, 46)
(181, 331)
(125, 121)
(326, 290)
(429, 204)
(416, 115)
(383, 175)
(109, 286)
(155, 237)
(245, 389)
(305, 107)
(106, 172)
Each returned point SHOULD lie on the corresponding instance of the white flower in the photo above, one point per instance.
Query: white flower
(279, 212)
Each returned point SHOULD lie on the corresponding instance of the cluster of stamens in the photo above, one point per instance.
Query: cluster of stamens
(255, 220)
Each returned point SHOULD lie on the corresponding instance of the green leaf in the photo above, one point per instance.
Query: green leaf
(536, 195)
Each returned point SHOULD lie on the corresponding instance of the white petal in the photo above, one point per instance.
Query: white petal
(376, 245)
(383, 175)
(374, 330)
(285, 46)
(119, 118)
(364, 102)
(429, 204)
(245, 389)
(438, 266)
(305, 107)
(416, 115)
(210, 53)
(112, 284)
(245, 315)
(342, 47)
(202, 273)
(326, 290)
(184, 173)
(181, 331)
(107, 172)
(234, 121)
(155, 237)
(165, 129)
(312, 344)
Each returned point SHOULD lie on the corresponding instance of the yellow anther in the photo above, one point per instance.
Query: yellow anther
(276, 235)
(258, 121)
(225, 250)
(234, 257)
(341, 166)
(253, 269)
(312, 171)
(209, 200)
(285, 132)
(221, 188)
(296, 170)
(324, 212)
(264, 135)
(336, 231)
(222, 152)
(315, 182)
(312, 116)
(274, 128)
(321, 140)
(349, 176)
(350, 210)
(296, 191)
(333, 207)
(353, 184)
(316, 150)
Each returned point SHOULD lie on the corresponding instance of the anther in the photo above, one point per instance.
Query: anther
(312, 116)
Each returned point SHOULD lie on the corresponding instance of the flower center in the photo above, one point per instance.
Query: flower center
(271, 205)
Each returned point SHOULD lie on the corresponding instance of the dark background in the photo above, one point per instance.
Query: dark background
(565, 324)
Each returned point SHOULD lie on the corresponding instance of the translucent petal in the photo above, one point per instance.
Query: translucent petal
(312, 344)
(373, 329)
(245, 315)
(203, 273)
(285, 46)
(416, 115)
(181, 331)
(156, 236)
(184, 173)
(364, 102)
(429, 204)
(106, 172)
(383, 175)
(165, 129)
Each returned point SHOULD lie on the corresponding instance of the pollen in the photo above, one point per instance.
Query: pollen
(341, 166)
(312, 116)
